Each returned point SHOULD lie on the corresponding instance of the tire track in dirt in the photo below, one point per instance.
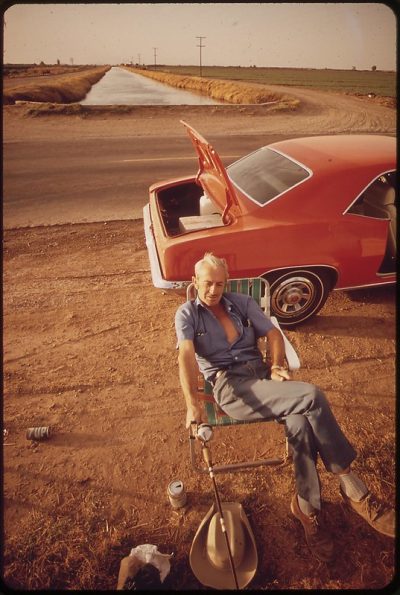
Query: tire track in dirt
(336, 112)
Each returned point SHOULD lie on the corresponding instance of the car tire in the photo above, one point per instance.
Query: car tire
(297, 295)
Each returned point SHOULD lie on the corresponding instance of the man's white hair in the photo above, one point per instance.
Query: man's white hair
(212, 260)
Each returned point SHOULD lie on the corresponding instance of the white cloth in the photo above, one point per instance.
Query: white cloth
(149, 554)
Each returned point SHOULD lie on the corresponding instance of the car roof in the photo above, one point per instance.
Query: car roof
(342, 152)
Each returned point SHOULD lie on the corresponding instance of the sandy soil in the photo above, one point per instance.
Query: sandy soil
(89, 349)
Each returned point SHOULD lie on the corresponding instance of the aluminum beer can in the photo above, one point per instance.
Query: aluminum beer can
(38, 433)
(176, 493)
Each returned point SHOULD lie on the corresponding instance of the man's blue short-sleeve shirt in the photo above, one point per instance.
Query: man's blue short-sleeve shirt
(194, 321)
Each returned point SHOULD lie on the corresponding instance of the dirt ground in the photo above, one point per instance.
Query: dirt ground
(89, 350)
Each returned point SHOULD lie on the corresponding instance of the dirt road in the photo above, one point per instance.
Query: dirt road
(89, 349)
(43, 182)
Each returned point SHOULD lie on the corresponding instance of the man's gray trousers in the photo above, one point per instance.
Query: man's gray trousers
(246, 392)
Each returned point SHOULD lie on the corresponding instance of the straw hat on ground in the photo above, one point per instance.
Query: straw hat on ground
(209, 558)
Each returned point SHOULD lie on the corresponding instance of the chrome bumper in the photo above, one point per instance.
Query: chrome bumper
(155, 269)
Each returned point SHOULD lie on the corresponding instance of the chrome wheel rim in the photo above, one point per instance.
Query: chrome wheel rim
(293, 296)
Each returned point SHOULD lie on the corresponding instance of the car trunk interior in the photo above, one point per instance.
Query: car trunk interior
(184, 208)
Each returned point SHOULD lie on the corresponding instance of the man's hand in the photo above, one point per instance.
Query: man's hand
(280, 374)
(195, 413)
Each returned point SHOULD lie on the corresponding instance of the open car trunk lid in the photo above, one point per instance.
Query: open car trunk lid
(213, 177)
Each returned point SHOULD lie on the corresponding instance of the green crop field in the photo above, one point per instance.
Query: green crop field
(352, 81)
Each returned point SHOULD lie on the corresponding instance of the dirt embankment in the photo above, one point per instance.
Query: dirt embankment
(58, 88)
(223, 90)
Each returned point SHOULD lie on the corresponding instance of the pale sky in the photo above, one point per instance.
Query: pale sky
(301, 35)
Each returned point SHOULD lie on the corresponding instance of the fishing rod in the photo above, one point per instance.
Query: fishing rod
(204, 434)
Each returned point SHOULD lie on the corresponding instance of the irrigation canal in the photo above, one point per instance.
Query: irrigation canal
(120, 87)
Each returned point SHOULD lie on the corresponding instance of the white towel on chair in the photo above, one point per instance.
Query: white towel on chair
(290, 353)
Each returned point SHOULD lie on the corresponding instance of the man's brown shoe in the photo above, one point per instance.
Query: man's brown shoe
(377, 514)
(318, 540)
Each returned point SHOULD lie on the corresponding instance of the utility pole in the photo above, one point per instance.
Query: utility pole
(139, 59)
(200, 37)
(155, 57)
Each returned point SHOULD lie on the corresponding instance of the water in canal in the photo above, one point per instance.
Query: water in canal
(120, 87)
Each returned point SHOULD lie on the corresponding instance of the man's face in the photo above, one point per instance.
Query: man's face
(210, 283)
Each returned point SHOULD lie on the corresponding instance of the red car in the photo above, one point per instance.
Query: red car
(307, 214)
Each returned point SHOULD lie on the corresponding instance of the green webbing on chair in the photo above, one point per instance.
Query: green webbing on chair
(233, 286)
(215, 415)
(253, 287)
(244, 286)
(238, 286)
(208, 389)
(256, 291)
(219, 419)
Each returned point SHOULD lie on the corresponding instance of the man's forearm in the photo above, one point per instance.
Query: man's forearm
(277, 353)
(189, 387)
(276, 347)
(188, 374)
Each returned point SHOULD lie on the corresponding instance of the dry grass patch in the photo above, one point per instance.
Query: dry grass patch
(67, 88)
(72, 547)
(28, 70)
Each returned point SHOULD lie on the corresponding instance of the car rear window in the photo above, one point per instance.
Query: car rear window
(265, 174)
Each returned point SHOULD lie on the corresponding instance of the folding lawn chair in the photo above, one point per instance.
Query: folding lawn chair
(258, 289)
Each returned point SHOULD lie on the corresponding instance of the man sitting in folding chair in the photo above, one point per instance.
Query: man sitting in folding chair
(218, 332)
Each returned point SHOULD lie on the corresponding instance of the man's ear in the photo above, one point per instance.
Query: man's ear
(194, 281)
